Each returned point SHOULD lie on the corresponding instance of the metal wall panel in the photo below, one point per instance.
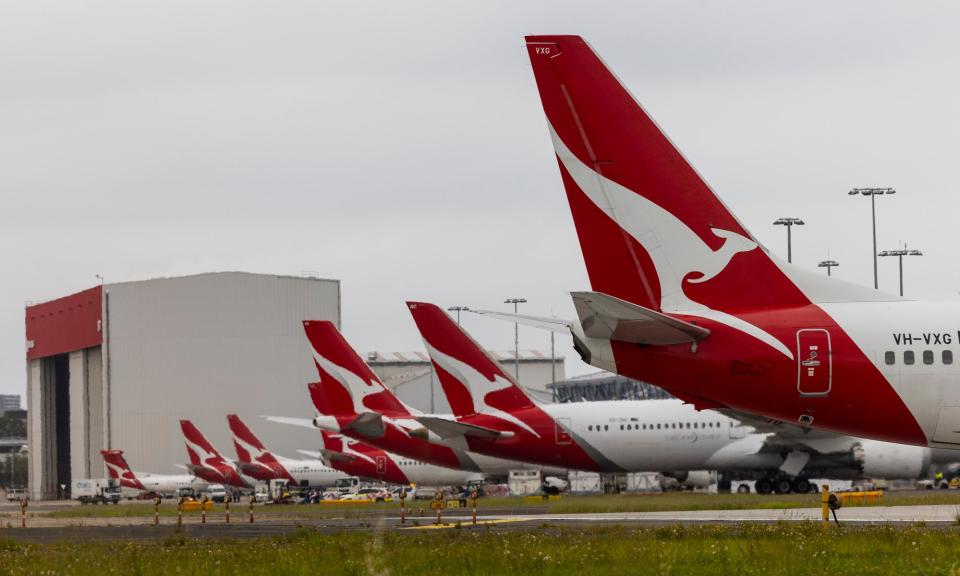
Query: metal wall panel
(202, 346)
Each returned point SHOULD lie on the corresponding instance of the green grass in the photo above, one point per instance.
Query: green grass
(768, 550)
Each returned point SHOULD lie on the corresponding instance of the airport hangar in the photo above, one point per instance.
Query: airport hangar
(118, 365)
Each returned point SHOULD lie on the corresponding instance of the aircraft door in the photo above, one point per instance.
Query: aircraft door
(562, 427)
(814, 362)
(381, 464)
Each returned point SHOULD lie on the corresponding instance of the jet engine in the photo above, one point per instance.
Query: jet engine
(692, 478)
(891, 461)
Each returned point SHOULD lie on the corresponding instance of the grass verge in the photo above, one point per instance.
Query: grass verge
(769, 550)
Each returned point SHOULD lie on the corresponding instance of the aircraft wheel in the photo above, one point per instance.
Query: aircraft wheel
(763, 486)
(801, 486)
(782, 486)
(743, 489)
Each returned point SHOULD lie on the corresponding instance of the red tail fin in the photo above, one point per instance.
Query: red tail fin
(244, 440)
(651, 230)
(341, 367)
(198, 447)
(471, 379)
(119, 470)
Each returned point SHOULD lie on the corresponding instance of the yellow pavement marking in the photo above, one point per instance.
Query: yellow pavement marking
(466, 524)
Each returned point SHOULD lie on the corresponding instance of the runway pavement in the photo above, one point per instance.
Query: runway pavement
(46, 529)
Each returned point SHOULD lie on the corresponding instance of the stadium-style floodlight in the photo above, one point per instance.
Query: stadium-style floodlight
(789, 223)
(516, 337)
(458, 310)
(873, 193)
(900, 254)
(828, 264)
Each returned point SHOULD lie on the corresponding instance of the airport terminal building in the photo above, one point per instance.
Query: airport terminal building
(117, 365)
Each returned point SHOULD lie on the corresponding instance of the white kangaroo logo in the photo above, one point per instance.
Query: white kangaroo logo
(676, 250)
(357, 387)
(478, 385)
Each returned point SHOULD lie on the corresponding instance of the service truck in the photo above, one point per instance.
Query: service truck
(95, 491)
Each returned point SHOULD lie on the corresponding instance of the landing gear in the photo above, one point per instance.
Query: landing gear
(801, 486)
(782, 486)
(743, 489)
(763, 486)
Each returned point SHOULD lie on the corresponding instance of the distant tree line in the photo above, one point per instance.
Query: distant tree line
(12, 427)
(19, 465)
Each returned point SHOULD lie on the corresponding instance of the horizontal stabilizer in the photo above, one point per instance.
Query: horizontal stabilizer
(610, 318)
(249, 468)
(450, 429)
(304, 422)
(328, 455)
(543, 323)
(368, 424)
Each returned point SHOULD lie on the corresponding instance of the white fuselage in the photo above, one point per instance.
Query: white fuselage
(311, 473)
(169, 483)
(423, 474)
(929, 386)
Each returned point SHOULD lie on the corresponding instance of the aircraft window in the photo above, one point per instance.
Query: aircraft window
(908, 357)
(606, 427)
(658, 426)
(947, 356)
(696, 425)
(928, 356)
(644, 426)
(688, 425)
(889, 357)
(590, 428)
(621, 426)
(673, 425)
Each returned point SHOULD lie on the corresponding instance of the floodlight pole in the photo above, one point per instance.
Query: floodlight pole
(900, 254)
(516, 337)
(789, 223)
(458, 310)
(828, 264)
(873, 193)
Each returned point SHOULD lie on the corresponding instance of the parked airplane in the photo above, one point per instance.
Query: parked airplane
(207, 463)
(685, 297)
(256, 461)
(495, 416)
(119, 470)
(351, 400)
(356, 458)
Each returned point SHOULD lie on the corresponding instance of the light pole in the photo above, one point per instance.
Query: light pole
(828, 264)
(789, 223)
(516, 337)
(900, 254)
(458, 310)
(873, 193)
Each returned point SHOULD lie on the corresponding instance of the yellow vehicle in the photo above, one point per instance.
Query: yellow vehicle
(192, 505)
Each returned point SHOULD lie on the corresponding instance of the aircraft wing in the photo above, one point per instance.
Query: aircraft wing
(541, 322)
(610, 318)
(781, 435)
(451, 429)
(304, 422)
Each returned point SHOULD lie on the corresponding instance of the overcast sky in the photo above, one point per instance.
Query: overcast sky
(401, 148)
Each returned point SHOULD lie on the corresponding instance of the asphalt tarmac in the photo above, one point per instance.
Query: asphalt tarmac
(44, 529)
